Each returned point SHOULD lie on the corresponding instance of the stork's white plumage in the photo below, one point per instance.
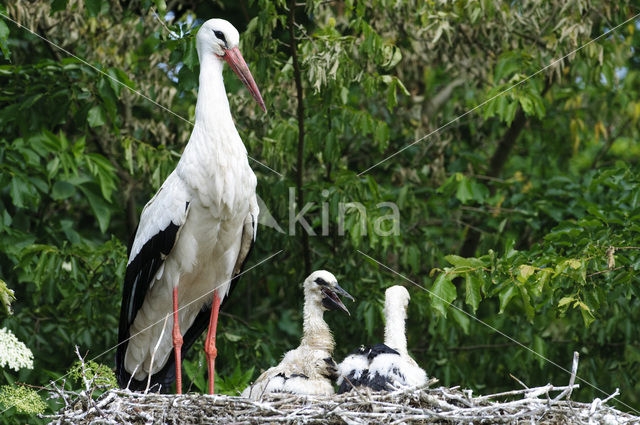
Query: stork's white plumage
(385, 366)
(194, 234)
(309, 369)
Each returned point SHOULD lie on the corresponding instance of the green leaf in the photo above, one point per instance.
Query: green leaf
(369, 318)
(461, 319)
(104, 171)
(442, 293)
(539, 347)
(232, 337)
(526, 303)
(464, 192)
(6, 297)
(527, 105)
(542, 278)
(93, 7)
(473, 296)
(62, 190)
(574, 264)
(507, 64)
(4, 36)
(524, 271)
(161, 5)
(190, 55)
(587, 316)
(458, 261)
(100, 208)
(58, 5)
(96, 117)
(565, 300)
(108, 97)
(505, 296)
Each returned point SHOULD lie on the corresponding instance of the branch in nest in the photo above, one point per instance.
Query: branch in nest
(423, 405)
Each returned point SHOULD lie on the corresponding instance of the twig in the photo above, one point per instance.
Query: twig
(519, 381)
(155, 15)
(153, 354)
(572, 379)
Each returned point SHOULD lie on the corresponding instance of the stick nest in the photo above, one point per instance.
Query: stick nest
(407, 406)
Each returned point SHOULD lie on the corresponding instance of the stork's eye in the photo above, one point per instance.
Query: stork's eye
(220, 35)
(321, 281)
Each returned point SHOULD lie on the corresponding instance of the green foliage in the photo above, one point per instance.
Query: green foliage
(6, 297)
(23, 400)
(93, 373)
(577, 258)
(231, 384)
(544, 174)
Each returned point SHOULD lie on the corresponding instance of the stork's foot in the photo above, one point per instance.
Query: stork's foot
(212, 353)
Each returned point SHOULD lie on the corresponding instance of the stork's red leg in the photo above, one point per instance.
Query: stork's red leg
(210, 343)
(177, 341)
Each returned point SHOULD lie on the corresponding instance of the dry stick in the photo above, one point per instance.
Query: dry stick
(353, 387)
(88, 384)
(615, 394)
(153, 354)
(135, 370)
(82, 367)
(519, 381)
(572, 379)
(516, 392)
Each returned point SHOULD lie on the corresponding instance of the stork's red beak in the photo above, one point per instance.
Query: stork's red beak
(235, 60)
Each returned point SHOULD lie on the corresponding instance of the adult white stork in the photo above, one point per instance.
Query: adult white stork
(383, 367)
(194, 234)
(309, 369)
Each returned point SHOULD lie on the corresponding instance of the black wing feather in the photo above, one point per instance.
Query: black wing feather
(138, 277)
(378, 349)
(374, 381)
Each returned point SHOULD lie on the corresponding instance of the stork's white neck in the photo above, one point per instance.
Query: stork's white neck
(212, 107)
(315, 331)
(215, 159)
(394, 330)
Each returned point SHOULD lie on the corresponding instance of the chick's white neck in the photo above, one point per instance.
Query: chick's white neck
(394, 330)
(315, 331)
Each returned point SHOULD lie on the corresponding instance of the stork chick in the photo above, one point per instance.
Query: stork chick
(387, 366)
(309, 369)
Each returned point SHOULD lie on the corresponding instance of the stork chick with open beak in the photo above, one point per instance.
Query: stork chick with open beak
(309, 369)
(194, 234)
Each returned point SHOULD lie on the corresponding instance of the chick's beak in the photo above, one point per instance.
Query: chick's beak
(235, 60)
(331, 299)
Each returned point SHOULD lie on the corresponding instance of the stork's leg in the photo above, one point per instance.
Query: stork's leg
(177, 341)
(210, 343)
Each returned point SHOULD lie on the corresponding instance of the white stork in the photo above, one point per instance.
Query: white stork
(309, 369)
(194, 234)
(383, 367)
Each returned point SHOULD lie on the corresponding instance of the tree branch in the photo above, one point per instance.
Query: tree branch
(300, 162)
